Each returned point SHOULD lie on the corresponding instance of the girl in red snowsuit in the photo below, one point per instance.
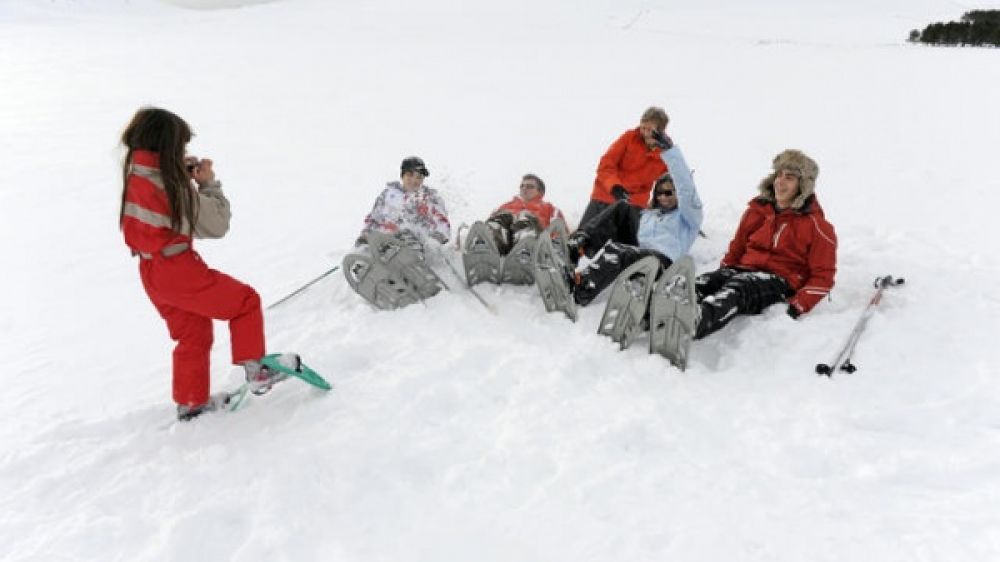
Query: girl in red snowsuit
(161, 211)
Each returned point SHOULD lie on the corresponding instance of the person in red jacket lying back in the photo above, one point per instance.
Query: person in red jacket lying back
(168, 199)
(528, 213)
(784, 250)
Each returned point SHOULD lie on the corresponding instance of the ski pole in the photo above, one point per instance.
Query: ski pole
(304, 287)
(842, 360)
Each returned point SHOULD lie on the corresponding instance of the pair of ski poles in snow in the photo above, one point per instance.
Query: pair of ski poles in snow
(842, 361)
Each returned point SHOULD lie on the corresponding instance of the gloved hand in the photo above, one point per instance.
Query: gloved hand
(794, 312)
(662, 140)
(618, 192)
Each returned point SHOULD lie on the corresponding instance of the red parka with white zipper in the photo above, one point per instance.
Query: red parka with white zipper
(184, 290)
(799, 245)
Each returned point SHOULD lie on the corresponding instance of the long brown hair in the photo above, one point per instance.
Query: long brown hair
(158, 130)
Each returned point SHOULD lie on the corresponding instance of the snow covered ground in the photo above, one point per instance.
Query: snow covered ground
(453, 434)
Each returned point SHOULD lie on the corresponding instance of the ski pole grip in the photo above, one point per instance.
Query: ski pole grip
(888, 281)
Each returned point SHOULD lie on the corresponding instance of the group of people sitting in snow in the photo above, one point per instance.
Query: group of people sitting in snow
(643, 203)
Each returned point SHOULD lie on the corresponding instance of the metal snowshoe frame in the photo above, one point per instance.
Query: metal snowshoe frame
(628, 301)
(480, 257)
(674, 313)
(517, 265)
(393, 276)
(551, 266)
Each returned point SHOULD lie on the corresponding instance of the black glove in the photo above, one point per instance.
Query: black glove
(793, 312)
(662, 140)
(618, 192)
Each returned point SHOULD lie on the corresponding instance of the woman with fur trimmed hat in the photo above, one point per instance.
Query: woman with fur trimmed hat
(784, 250)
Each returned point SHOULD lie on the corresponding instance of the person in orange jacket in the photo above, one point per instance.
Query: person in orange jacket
(168, 199)
(527, 213)
(784, 250)
(630, 166)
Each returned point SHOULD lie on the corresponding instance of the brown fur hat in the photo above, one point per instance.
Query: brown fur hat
(795, 161)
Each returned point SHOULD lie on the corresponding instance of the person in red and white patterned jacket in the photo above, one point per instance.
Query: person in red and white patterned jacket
(527, 213)
(784, 250)
(169, 198)
(409, 208)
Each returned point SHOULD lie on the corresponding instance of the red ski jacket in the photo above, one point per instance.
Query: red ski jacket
(146, 220)
(538, 207)
(633, 165)
(799, 245)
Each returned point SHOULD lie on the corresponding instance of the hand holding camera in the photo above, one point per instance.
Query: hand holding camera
(200, 170)
(662, 140)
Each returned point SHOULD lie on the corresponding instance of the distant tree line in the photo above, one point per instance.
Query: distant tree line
(976, 28)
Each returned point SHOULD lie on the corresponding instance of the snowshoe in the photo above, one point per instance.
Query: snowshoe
(480, 257)
(552, 275)
(674, 313)
(517, 265)
(560, 238)
(376, 283)
(628, 301)
(393, 276)
(399, 255)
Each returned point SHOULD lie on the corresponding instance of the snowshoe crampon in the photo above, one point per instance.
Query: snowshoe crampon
(393, 276)
(628, 301)
(674, 313)
(552, 273)
(480, 257)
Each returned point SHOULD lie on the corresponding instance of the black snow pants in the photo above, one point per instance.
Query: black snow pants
(726, 293)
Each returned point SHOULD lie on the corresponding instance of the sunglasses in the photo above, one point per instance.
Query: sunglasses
(665, 192)
(528, 186)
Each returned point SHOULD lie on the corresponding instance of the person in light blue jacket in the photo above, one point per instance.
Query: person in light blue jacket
(666, 229)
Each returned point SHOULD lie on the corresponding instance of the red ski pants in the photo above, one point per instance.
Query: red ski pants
(189, 295)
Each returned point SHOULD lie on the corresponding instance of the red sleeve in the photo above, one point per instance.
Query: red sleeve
(822, 262)
(607, 168)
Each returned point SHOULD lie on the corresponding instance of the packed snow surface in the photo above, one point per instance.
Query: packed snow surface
(453, 433)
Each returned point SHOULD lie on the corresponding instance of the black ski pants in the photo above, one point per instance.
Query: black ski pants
(610, 261)
(726, 293)
(618, 221)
